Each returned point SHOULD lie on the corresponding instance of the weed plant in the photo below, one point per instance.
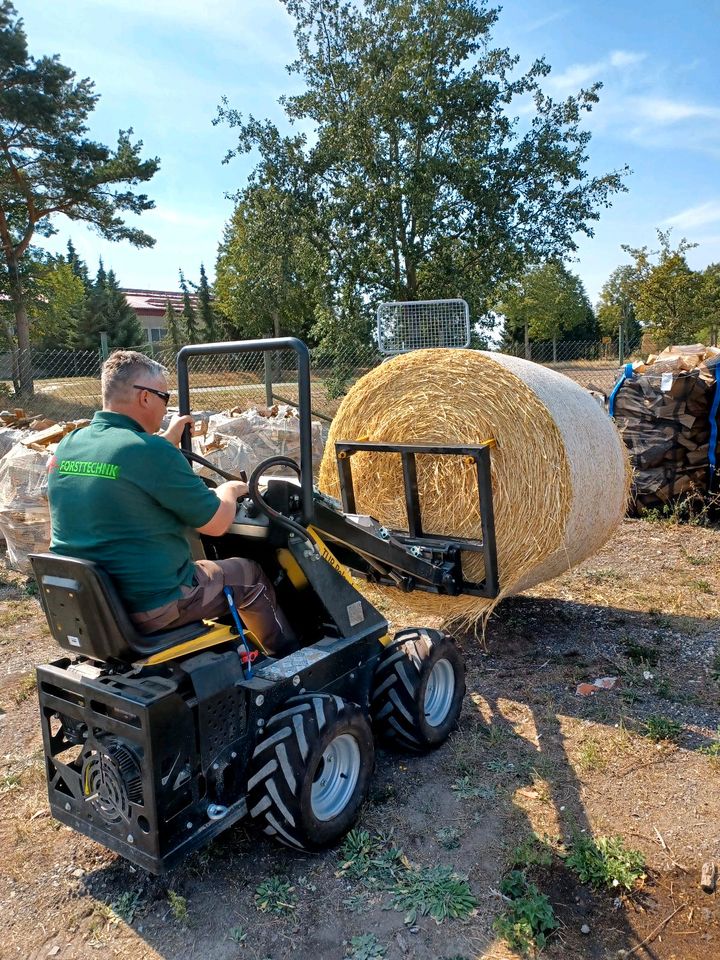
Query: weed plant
(606, 862)
(275, 895)
(529, 919)
(659, 728)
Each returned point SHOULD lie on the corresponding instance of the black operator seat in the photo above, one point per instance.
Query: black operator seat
(86, 617)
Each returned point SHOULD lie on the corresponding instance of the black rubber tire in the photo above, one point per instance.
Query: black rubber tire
(401, 680)
(289, 758)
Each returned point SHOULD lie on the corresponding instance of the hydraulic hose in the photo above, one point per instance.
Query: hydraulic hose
(264, 507)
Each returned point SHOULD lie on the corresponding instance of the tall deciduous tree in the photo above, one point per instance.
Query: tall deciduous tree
(269, 273)
(708, 302)
(667, 290)
(547, 303)
(417, 181)
(617, 309)
(49, 165)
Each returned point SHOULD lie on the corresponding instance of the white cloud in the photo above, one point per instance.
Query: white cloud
(695, 216)
(624, 58)
(662, 111)
(550, 18)
(582, 73)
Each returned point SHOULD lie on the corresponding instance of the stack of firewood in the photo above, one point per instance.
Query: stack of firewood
(663, 412)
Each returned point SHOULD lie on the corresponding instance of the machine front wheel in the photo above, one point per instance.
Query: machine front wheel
(311, 771)
(418, 689)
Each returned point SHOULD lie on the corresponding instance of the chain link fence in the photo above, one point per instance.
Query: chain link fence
(67, 382)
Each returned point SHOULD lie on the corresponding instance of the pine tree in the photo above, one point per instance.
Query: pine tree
(208, 317)
(107, 311)
(170, 320)
(78, 266)
(188, 312)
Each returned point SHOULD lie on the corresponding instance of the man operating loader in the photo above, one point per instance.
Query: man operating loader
(122, 495)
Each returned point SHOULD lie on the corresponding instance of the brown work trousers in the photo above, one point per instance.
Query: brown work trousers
(254, 599)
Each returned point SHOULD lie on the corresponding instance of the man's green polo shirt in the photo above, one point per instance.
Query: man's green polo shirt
(124, 498)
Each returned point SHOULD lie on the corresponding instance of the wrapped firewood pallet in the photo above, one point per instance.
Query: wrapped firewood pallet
(666, 411)
(24, 511)
(259, 434)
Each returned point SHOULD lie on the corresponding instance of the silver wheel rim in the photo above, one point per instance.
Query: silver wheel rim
(439, 693)
(336, 778)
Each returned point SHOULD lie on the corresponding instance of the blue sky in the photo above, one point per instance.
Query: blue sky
(162, 66)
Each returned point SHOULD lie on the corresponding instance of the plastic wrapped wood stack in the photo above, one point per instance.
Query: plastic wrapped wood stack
(664, 410)
(559, 471)
(258, 434)
(24, 510)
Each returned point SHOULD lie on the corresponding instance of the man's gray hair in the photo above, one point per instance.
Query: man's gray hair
(123, 369)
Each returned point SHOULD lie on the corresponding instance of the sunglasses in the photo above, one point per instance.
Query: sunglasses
(165, 397)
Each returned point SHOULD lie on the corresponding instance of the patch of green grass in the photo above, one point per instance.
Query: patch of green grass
(658, 729)
(26, 688)
(532, 851)
(276, 895)
(126, 905)
(592, 757)
(663, 688)
(702, 586)
(695, 561)
(715, 667)
(178, 906)
(529, 919)
(437, 892)
(606, 862)
(9, 781)
(366, 947)
(640, 654)
(712, 751)
(448, 837)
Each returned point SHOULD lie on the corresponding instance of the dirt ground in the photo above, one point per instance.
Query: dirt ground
(531, 756)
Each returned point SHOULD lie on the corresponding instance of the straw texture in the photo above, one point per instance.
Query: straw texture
(559, 470)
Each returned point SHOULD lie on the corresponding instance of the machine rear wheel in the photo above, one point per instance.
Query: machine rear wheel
(311, 771)
(418, 690)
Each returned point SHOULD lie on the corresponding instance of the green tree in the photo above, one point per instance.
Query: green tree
(667, 290)
(547, 303)
(170, 321)
(617, 305)
(708, 302)
(416, 180)
(49, 166)
(206, 310)
(60, 296)
(188, 315)
(107, 311)
(269, 275)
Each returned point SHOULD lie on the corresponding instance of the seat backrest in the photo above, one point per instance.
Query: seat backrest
(85, 614)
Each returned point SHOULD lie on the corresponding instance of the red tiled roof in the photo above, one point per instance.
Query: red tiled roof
(152, 303)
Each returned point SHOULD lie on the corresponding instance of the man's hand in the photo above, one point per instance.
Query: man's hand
(228, 494)
(175, 429)
(233, 488)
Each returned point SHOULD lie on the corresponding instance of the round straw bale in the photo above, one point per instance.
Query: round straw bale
(560, 473)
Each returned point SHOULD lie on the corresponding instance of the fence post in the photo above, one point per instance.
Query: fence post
(104, 348)
(621, 346)
(267, 361)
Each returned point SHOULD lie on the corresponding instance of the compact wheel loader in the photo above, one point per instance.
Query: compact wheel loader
(155, 744)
